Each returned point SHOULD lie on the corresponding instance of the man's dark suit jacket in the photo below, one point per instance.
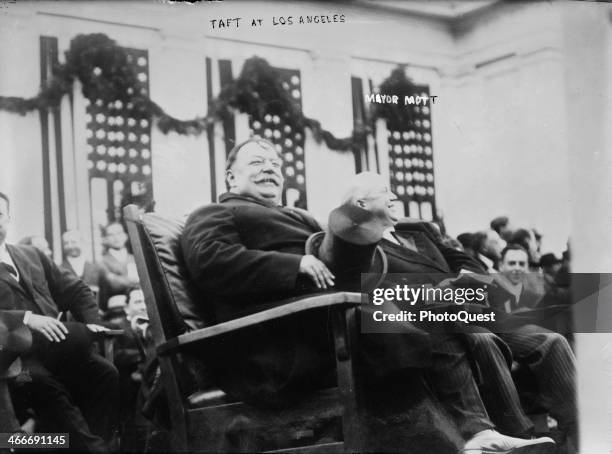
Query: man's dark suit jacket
(91, 272)
(44, 288)
(432, 258)
(75, 372)
(244, 254)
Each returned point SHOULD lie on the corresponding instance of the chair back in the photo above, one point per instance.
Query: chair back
(171, 298)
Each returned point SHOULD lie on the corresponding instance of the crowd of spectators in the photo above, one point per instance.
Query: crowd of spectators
(545, 274)
(114, 281)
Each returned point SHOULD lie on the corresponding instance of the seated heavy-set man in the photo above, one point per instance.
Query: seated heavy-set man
(247, 250)
(70, 387)
(546, 354)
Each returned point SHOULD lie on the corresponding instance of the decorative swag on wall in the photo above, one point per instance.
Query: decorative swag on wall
(102, 68)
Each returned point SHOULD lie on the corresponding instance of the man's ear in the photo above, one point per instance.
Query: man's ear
(229, 178)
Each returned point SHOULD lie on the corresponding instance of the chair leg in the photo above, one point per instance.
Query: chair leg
(345, 338)
(8, 420)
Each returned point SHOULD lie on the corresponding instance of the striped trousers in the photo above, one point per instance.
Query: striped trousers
(550, 359)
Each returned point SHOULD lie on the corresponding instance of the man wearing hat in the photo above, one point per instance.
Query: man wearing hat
(247, 250)
(61, 368)
(550, 265)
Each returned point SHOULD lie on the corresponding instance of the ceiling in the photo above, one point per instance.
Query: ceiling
(434, 8)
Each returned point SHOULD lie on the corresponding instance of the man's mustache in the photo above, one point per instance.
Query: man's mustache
(269, 178)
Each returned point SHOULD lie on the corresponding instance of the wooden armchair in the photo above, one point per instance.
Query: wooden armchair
(199, 420)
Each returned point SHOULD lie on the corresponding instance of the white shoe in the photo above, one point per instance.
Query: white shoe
(492, 442)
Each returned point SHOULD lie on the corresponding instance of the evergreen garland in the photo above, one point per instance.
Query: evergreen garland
(103, 70)
(398, 116)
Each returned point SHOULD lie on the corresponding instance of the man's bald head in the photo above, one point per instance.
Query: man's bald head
(362, 186)
(370, 191)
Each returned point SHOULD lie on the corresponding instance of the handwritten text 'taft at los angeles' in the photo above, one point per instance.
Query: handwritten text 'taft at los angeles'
(237, 22)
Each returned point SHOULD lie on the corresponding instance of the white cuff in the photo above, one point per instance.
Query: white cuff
(26, 317)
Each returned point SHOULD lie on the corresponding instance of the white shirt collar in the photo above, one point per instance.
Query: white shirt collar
(487, 261)
(388, 235)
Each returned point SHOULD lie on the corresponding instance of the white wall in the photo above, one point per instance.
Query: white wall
(588, 54)
(181, 178)
(20, 138)
(503, 149)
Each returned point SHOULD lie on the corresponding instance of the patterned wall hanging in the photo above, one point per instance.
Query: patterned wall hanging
(119, 143)
(411, 161)
(289, 141)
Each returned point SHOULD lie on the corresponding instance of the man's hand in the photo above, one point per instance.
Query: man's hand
(52, 329)
(96, 328)
(317, 270)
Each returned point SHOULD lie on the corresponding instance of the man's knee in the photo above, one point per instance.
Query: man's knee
(101, 373)
(40, 377)
(483, 339)
(484, 343)
(558, 343)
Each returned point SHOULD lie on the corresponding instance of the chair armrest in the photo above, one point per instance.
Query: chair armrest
(284, 309)
(112, 333)
(107, 339)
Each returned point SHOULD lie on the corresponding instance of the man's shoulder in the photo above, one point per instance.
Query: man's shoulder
(23, 252)
(229, 205)
(37, 264)
(66, 265)
(301, 212)
(210, 208)
(108, 261)
(208, 211)
(411, 224)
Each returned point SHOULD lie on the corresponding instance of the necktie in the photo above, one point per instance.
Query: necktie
(10, 268)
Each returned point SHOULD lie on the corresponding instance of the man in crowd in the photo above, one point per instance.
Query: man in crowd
(502, 226)
(546, 354)
(76, 263)
(129, 359)
(118, 266)
(487, 247)
(550, 265)
(526, 238)
(71, 388)
(514, 268)
(247, 250)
